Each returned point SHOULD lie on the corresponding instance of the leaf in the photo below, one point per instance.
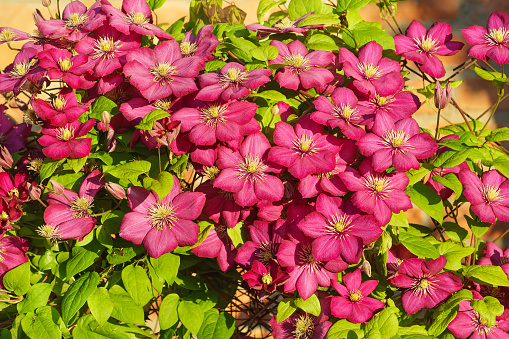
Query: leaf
(452, 158)
(89, 328)
(490, 76)
(447, 312)
(155, 4)
(427, 200)
(486, 275)
(351, 5)
(385, 321)
(265, 53)
(100, 305)
(364, 32)
(168, 314)
(100, 105)
(418, 246)
(147, 123)
(216, 326)
(413, 330)
(299, 8)
(77, 164)
(166, 266)
(455, 232)
(416, 175)
(451, 181)
(271, 95)
(130, 170)
(342, 329)
(17, 280)
(77, 294)
(311, 305)
(319, 19)
(500, 134)
(48, 168)
(191, 315)
(454, 253)
(399, 220)
(477, 227)
(502, 165)
(37, 296)
(41, 325)
(321, 42)
(162, 186)
(265, 6)
(124, 307)
(82, 258)
(235, 234)
(137, 284)
(285, 309)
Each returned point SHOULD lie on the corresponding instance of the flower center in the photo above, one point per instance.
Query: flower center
(266, 278)
(426, 44)
(163, 73)
(163, 104)
(4, 216)
(48, 231)
(304, 327)
(355, 296)
(491, 194)
(307, 261)
(21, 69)
(211, 172)
(284, 23)
(377, 184)
(499, 36)
(105, 47)
(251, 168)
(345, 111)
(339, 223)
(423, 286)
(136, 18)
(59, 103)
(162, 216)
(76, 20)
(82, 207)
(65, 133)
(188, 48)
(7, 35)
(298, 63)
(64, 64)
(14, 192)
(35, 164)
(369, 71)
(481, 324)
(266, 253)
(233, 76)
(304, 145)
(397, 140)
(213, 114)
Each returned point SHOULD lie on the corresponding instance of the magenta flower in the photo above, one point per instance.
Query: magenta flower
(339, 229)
(8, 34)
(303, 68)
(395, 257)
(284, 25)
(231, 82)
(209, 122)
(14, 188)
(200, 45)
(244, 172)
(12, 254)
(12, 137)
(491, 42)
(488, 196)
(162, 225)
(217, 245)
(23, 69)
(66, 142)
(304, 150)
(10, 212)
(107, 49)
(423, 46)
(353, 303)
(162, 72)
(137, 108)
(425, 286)
(342, 113)
(493, 255)
(379, 194)
(69, 216)
(398, 143)
(265, 278)
(136, 17)
(62, 65)
(64, 108)
(371, 72)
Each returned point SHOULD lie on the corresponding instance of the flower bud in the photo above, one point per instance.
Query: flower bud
(116, 190)
(57, 187)
(105, 117)
(274, 110)
(34, 191)
(442, 95)
(46, 3)
(366, 268)
(6, 160)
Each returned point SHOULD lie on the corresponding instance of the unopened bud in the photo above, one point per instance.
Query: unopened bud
(57, 187)
(442, 95)
(105, 117)
(46, 3)
(116, 190)
(5, 158)
(366, 268)
(274, 110)
(34, 191)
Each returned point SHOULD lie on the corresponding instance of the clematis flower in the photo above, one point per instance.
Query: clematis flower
(200, 45)
(66, 142)
(69, 216)
(371, 72)
(12, 254)
(493, 255)
(395, 257)
(10, 212)
(491, 42)
(304, 150)
(353, 303)
(379, 194)
(425, 286)
(217, 245)
(23, 69)
(231, 82)
(162, 224)
(339, 229)
(423, 46)
(64, 108)
(8, 34)
(245, 172)
(265, 278)
(162, 72)
(284, 25)
(14, 188)
(302, 68)
(488, 196)
(12, 137)
(398, 143)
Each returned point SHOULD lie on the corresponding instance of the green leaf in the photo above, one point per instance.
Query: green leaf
(455, 232)
(216, 326)
(385, 321)
(413, 330)
(451, 181)
(345, 329)
(285, 309)
(321, 42)
(147, 123)
(364, 32)
(299, 8)
(48, 168)
(265, 53)
(454, 253)
(418, 246)
(486, 275)
(124, 307)
(427, 199)
(319, 19)
(452, 158)
(447, 312)
(37, 296)
(137, 284)
(42, 324)
(17, 280)
(500, 134)
(351, 5)
(490, 76)
(130, 170)
(166, 266)
(77, 294)
(477, 227)
(100, 305)
(77, 164)
(89, 328)
(311, 305)
(82, 258)
(235, 234)
(155, 4)
(265, 6)
(100, 105)
(399, 220)
(488, 308)
(502, 165)
(162, 186)
(270, 95)
(416, 175)
(168, 314)
(191, 315)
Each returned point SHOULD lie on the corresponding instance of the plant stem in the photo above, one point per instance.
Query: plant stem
(438, 122)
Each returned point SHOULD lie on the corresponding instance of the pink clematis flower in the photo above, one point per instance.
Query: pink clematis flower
(23, 69)
(303, 69)
(161, 72)
(62, 65)
(162, 225)
(12, 137)
(423, 46)
(8, 34)
(66, 142)
(489, 196)
(493, 255)
(265, 278)
(14, 188)
(339, 229)
(69, 216)
(231, 82)
(491, 42)
(10, 212)
(353, 303)
(284, 25)
(379, 194)
(12, 254)
(245, 172)
(398, 143)
(425, 286)
(64, 108)
(371, 72)
(200, 45)
(217, 245)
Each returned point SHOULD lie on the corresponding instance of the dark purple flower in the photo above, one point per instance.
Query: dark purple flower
(200, 45)
(217, 245)
(64, 108)
(265, 277)
(66, 142)
(12, 137)
(493, 255)
(62, 65)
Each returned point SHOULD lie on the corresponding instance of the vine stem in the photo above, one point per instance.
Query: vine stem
(438, 123)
